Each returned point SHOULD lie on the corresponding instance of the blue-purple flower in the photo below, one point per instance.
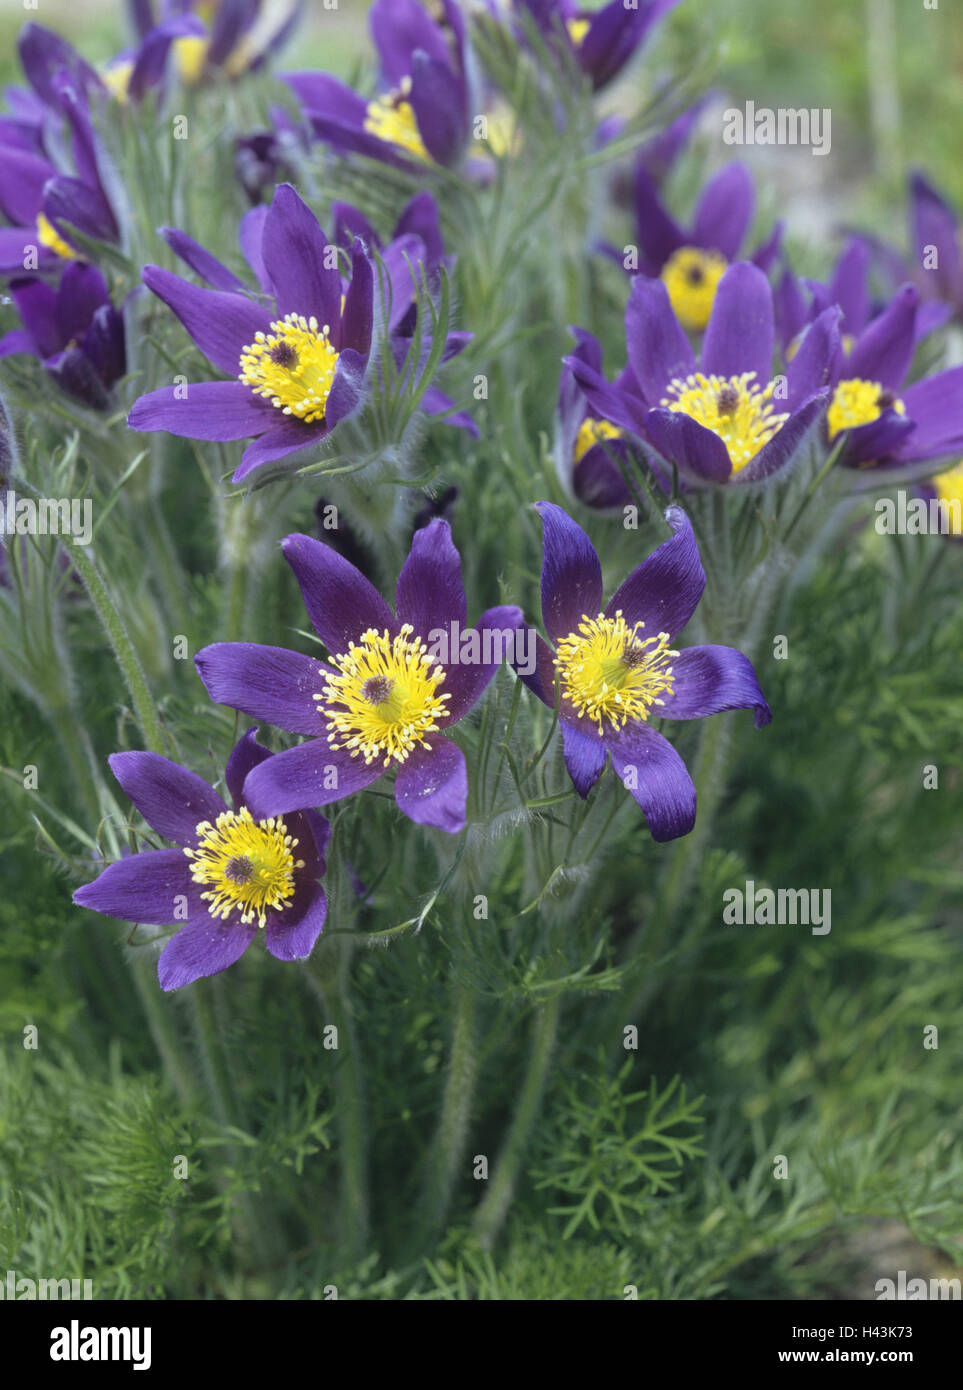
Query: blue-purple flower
(297, 367)
(392, 686)
(74, 329)
(723, 418)
(936, 235)
(601, 40)
(421, 114)
(590, 452)
(613, 669)
(234, 40)
(692, 260)
(232, 874)
(886, 424)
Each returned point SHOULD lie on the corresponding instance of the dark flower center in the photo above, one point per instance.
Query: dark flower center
(239, 870)
(695, 274)
(284, 355)
(727, 400)
(885, 399)
(376, 689)
(633, 656)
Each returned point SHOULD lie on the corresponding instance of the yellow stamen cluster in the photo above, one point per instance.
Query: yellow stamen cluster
(116, 79)
(949, 489)
(736, 408)
(592, 432)
(691, 276)
(577, 29)
(190, 58)
(857, 402)
(249, 865)
(49, 237)
(504, 137)
(388, 692)
(293, 366)
(392, 118)
(609, 671)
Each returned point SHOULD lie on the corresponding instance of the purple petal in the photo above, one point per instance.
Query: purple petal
(290, 436)
(812, 364)
(172, 800)
(206, 946)
(149, 887)
(571, 573)
(220, 410)
(849, 287)
(698, 451)
(430, 593)
(398, 28)
(83, 290)
(22, 179)
(936, 405)
(200, 260)
(220, 323)
(708, 680)
(313, 774)
(438, 101)
(739, 335)
(432, 785)
(358, 316)
(291, 934)
(658, 349)
(784, 445)
(250, 235)
(342, 604)
(934, 225)
(725, 210)
(36, 303)
(496, 635)
(659, 235)
(885, 349)
(294, 250)
(268, 683)
(651, 769)
(245, 754)
(662, 592)
(584, 758)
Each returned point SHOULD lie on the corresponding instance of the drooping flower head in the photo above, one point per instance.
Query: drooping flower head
(298, 368)
(75, 330)
(723, 418)
(692, 260)
(601, 40)
(391, 687)
(421, 114)
(232, 874)
(39, 194)
(616, 669)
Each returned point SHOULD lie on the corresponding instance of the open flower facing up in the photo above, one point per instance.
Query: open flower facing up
(75, 330)
(691, 261)
(298, 368)
(615, 668)
(602, 40)
(392, 685)
(888, 425)
(233, 873)
(724, 418)
(421, 116)
(38, 194)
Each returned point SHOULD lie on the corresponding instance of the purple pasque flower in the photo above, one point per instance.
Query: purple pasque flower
(392, 686)
(692, 260)
(234, 40)
(415, 250)
(298, 367)
(723, 418)
(232, 874)
(37, 195)
(588, 448)
(75, 330)
(421, 115)
(613, 669)
(798, 300)
(889, 425)
(601, 40)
